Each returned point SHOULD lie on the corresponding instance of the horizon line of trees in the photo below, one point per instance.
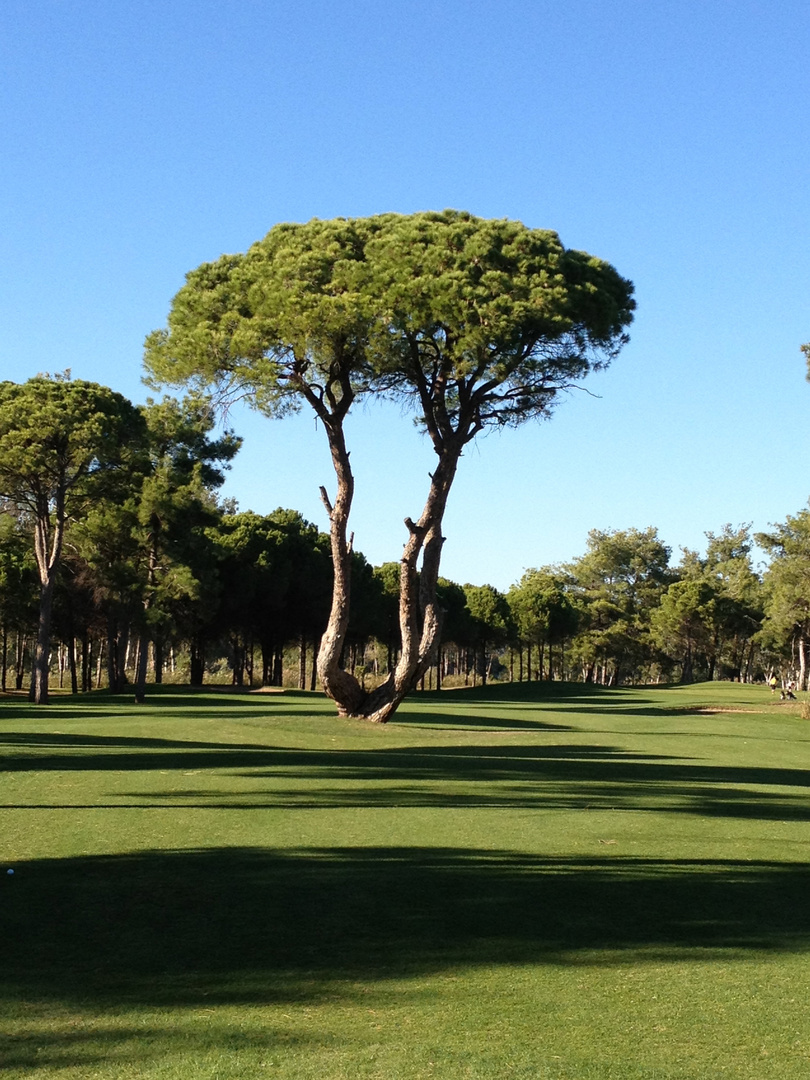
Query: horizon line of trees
(146, 572)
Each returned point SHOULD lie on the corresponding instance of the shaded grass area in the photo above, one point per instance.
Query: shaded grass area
(239, 925)
(556, 882)
(301, 959)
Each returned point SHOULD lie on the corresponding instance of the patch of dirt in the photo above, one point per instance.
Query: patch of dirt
(710, 710)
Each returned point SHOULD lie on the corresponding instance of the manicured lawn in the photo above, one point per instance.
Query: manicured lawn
(516, 882)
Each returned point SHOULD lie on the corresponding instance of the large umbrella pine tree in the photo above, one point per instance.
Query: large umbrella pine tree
(60, 443)
(474, 323)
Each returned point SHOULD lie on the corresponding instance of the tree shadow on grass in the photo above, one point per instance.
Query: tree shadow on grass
(295, 705)
(508, 706)
(534, 776)
(238, 925)
(121, 708)
(497, 702)
(98, 938)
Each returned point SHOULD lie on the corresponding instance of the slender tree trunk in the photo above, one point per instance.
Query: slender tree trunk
(302, 662)
(5, 656)
(71, 651)
(42, 652)
(99, 664)
(249, 647)
(159, 658)
(148, 602)
(237, 663)
(197, 660)
(121, 655)
(19, 660)
(81, 660)
(338, 684)
(313, 674)
(686, 666)
(417, 595)
(140, 670)
(802, 663)
(112, 648)
(749, 663)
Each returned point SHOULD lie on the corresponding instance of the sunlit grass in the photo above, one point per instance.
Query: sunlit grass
(523, 881)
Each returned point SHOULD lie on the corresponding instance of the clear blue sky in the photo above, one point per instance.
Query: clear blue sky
(140, 138)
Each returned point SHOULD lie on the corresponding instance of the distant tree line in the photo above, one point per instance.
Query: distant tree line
(113, 538)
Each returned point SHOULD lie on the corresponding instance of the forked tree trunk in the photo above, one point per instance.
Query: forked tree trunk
(420, 618)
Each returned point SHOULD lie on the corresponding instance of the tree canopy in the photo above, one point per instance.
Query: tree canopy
(60, 442)
(476, 323)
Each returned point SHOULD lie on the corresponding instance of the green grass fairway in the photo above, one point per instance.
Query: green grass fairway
(518, 882)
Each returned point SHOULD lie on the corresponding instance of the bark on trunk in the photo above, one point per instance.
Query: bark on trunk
(42, 650)
(338, 684)
(419, 615)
